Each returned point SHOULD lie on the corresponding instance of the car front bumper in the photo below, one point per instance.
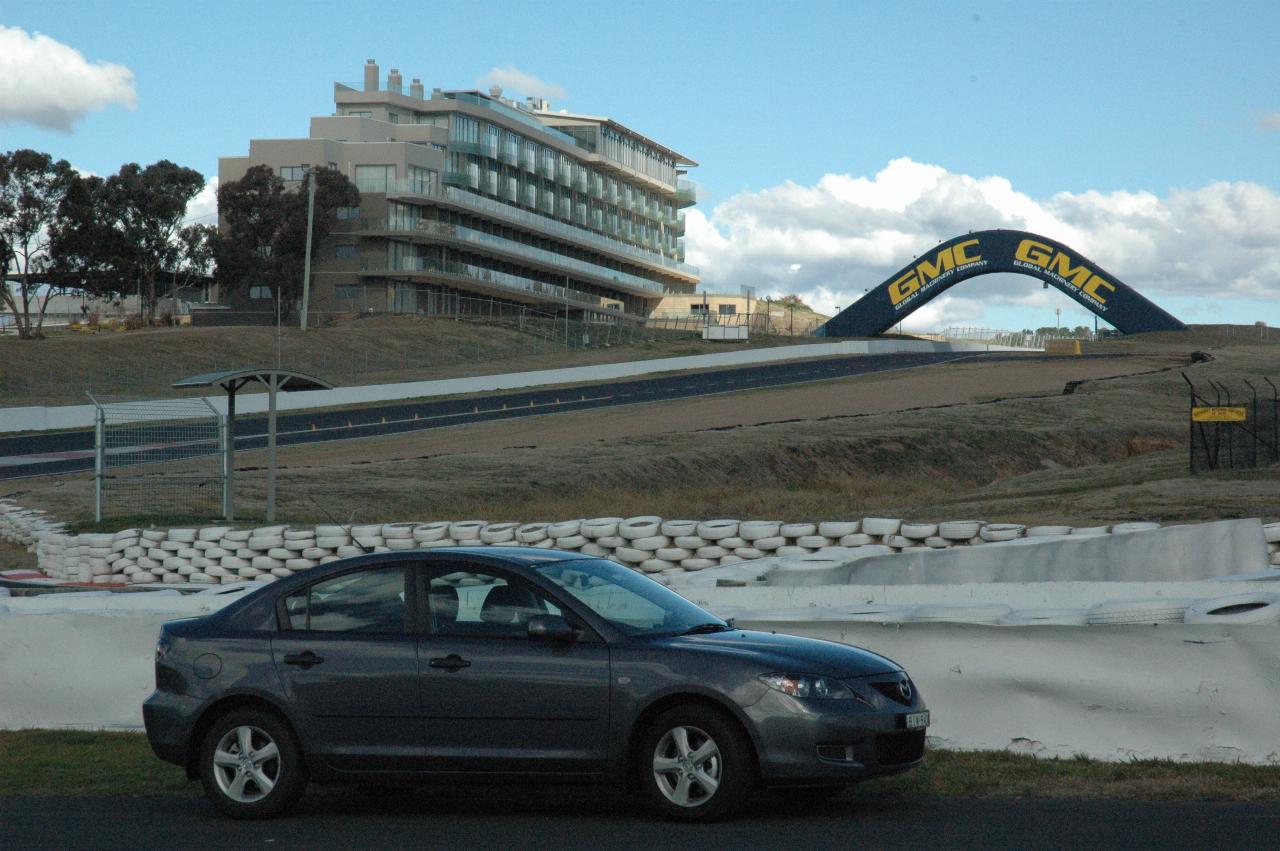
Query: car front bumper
(813, 742)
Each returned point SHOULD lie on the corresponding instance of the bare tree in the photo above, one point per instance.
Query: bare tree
(32, 186)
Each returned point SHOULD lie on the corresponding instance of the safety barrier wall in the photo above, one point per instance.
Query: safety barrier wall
(81, 416)
(1181, 692)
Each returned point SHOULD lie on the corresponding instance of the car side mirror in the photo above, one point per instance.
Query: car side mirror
(553, 627)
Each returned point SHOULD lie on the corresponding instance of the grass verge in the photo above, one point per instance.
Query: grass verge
(57, 762)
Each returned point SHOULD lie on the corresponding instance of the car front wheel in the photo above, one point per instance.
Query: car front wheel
(695, 765)
(250, 765)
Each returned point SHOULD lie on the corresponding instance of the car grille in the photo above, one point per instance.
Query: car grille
(899, 748)
(894, 690)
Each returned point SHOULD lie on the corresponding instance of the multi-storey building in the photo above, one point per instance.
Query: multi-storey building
(468, 194)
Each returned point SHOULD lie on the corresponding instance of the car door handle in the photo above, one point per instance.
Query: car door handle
(303, 660)
(452, 662)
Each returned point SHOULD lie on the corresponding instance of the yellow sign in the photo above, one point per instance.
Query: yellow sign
(1058, 264)
(919, 276)
(1218, 415)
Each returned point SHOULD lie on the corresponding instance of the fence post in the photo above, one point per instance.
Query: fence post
(99, 458)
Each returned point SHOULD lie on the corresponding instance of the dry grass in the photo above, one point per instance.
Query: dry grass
(365, 350)
(1112, 451)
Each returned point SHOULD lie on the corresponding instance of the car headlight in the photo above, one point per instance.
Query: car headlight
(807, 685)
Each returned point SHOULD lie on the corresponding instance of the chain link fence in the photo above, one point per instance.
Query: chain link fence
(187, 434)
(1234, 424)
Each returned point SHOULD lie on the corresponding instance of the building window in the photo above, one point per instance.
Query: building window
(347, 252)
(360, 113)
(422, 180)
(728, 310)
(347, 214)
(292, 172)
(698, 309)
(393, 117)
(350, 292)
(260, 293)
(375, 178)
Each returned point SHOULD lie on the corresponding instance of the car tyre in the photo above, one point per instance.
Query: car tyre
(695, 765)
(251, 766)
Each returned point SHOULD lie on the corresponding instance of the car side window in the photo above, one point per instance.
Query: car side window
(483, 605)
(361, 601)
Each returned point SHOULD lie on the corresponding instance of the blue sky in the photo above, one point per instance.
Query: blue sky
(1092, 100)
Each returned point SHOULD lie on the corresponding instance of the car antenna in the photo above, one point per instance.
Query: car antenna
(345, 526)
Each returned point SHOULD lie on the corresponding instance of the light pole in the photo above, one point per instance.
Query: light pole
(306, 260)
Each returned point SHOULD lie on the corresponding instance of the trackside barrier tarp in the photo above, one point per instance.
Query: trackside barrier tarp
(1183, 692)
(1172, 553)
(1175, 691)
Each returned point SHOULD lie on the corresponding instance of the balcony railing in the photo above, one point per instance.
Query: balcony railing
(642, 286)
(478, 274)
(458, 178)
(516, 215)
(686, 193)
(459, 147)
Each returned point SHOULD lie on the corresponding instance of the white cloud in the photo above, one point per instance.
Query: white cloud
(830, 241)
(516, 80)
(45, 82)
(1270, 121)
(203, 209)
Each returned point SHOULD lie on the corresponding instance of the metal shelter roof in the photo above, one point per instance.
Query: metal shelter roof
(233, 379)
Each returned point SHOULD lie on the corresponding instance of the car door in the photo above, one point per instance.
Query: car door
(496, 700)
(348, 662)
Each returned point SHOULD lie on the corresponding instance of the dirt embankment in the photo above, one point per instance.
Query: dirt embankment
(996, 441)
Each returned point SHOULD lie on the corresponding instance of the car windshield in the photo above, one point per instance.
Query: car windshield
(634, 604)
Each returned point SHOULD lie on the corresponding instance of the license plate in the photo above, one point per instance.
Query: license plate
(916, 720)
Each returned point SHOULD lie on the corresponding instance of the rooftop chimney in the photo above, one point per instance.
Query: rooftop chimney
(395, 83)
(370, 76)
(415, 88)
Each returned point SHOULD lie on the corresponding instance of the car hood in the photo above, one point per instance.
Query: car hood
(774, 652)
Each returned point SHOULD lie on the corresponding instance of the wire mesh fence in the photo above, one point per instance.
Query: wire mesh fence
(1234, 424)
(187, 435)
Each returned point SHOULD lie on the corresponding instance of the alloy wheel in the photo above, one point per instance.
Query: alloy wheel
(246, 764)
(687, 766)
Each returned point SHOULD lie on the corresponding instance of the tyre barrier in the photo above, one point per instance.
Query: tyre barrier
(672, 548)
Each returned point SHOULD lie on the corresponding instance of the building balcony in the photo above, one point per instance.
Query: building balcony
(447, 233)
(542, 224)
(473, 148)
(546, 171)
(510, 156)
(461, 178)
(502, 283)
(686, 193)
(488, 149)
(678, 227)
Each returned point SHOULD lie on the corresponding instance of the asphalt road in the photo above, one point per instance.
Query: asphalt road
(64, 452)
(505, 819)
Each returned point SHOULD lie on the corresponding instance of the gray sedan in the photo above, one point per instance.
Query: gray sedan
(468, 664)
